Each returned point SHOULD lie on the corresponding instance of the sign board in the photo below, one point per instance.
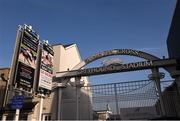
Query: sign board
(17, 102)
(113, 52)
(129, 52)
(26, 59)
(25, 75)
(46, 68)
(118, 68)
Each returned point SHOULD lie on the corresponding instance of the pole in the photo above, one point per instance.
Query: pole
(41, 106)
(59, 103)
(77, 81)
(116, 98)
(16, 118)
(155, 72)
(77, 103)
(4, 117)
(17, 115)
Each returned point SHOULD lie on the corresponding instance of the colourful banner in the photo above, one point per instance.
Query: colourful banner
(27, 60)
(46, 68)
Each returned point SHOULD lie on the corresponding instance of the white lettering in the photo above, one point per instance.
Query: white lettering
(112, 52)
(113, 68)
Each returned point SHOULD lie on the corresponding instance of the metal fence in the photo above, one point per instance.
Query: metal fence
(127, 100)
(133, 100)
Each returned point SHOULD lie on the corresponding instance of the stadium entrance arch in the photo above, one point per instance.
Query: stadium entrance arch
(151, 62)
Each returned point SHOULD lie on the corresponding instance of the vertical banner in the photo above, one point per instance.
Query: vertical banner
(46, 68)
(27, 59)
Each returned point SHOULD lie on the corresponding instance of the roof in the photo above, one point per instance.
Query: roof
(65, 45)
(56, 44)
(4, 68)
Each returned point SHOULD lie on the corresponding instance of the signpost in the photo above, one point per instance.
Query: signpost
(27, 59)
(46, 68)
(24, 65)
(46, 73)
(31, 64)
(17, 102)
(32, 67)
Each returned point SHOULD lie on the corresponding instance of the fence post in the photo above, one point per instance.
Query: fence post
(156, 76)
(116, 99)
(78, 88)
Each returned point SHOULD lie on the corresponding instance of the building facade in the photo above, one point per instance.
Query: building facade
(4, 75)
(173, 40)
(64, 99)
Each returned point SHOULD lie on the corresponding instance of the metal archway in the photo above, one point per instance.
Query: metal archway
(152, 62)
(129, 52)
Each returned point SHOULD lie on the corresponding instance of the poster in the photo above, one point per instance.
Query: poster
(46, 69)
(27, 60)
(25, 76)
(28, 50)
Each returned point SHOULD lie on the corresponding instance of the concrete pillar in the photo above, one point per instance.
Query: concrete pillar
(78, 87)
(4, 116)
(59, 103)
(41, 106)
(60, 87)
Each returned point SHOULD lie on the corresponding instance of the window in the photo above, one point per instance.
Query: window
(46, 117)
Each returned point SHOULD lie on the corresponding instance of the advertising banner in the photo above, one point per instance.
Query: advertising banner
(25, 75)
(27, 60)
(46, 68)
(28, 50)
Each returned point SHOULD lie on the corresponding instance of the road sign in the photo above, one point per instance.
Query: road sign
(17, 102)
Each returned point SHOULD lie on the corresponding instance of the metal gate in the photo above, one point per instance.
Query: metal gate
(133, 100)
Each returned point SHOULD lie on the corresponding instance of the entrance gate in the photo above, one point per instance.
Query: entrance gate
(152, 62)
(133, 100)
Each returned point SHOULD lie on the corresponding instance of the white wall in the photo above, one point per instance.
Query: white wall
(66, 58)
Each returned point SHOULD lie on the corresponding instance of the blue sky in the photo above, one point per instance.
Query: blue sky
(94, 25)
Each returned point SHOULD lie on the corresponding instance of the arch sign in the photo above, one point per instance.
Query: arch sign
(152, 62)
